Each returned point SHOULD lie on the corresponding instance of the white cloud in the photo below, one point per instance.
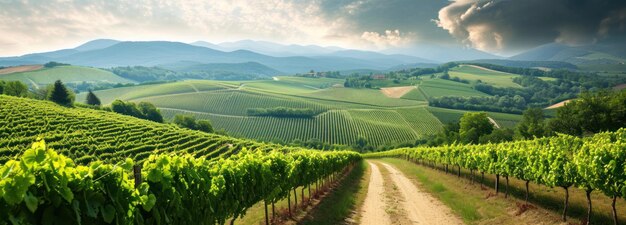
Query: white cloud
(28, 26)
(391, 38)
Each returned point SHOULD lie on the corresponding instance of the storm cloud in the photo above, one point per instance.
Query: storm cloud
(514, 25)
(397, 21)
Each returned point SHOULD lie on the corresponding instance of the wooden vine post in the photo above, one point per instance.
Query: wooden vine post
(137, 175)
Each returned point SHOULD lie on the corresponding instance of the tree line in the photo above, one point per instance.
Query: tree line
(590, 113)
(535, 91)
(152, 74)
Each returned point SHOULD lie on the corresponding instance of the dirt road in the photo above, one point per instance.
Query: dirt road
(420, 207)
(373, 211)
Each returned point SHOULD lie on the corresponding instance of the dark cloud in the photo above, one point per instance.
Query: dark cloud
(408, 16)
(515, 25)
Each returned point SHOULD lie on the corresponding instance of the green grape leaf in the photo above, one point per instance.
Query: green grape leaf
(148, 202)
(34, 155)
(92, 208)
(155, 175)
(15, 191)
(128, 164)
(108, 213)
(6, 170)
(67, 194)
(31, 202)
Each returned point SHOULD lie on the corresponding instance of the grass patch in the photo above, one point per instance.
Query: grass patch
(495, 78)
(347, 197)
(465, 206)
(344, 200)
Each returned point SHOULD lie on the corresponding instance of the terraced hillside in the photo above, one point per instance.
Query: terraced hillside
(342, 114)
(86, 134)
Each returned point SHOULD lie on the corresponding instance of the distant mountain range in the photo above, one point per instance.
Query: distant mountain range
(580, 55)
(270, 48)
(111, 53)
(268, 57)
(247, 68)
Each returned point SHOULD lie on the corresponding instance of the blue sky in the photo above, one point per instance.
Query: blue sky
(499, 26)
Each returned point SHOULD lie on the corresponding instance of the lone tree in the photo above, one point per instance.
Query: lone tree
(60, 94)
(532, 124)
(15, 88)
(473, 126)
(204, 125)
(150, 112)
(190, 122)
(92, 99)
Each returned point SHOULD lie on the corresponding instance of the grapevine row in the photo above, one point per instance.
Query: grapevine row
(593, 163)
(44, 187)
(88, 135)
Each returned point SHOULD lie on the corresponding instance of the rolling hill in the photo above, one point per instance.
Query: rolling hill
(527, 64)
(592, 57)
(342, 114)
(68, 74)
(88, 135)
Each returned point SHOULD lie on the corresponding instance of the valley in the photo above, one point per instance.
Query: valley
(313, 112)
(344, 114)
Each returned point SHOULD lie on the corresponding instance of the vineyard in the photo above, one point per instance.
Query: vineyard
(341, 114)
(87, 135)
(142, 91)
(68, 74)
(44, 187)
(438, 88)
(415, 94)
(595, 163)
(496, 78)
(230, 102)
(361, 96)
(334, 126)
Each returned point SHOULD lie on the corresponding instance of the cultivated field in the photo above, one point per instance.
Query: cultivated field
(438, 88)
(397, 92)
(68, 74)
(18, 69)
(87, 135)
(342, 114)
(488, 76)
